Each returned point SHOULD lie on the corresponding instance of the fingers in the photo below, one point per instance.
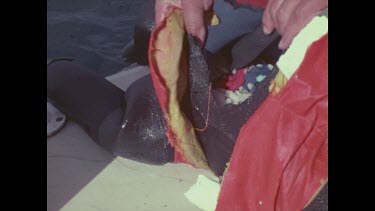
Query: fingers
(161, 8)
(270, 12)
(291, 31)
(289, 17)
(193, 11)
(302, 15)
(283, 14)
(267, 21)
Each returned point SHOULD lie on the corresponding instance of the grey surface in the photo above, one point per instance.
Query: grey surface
(73, 161)
(91, 31)
(81, 176)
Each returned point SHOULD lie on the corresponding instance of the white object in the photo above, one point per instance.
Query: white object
(236, 97)
(250, 86)
(290, 61)
(55, 120)
(204, 193)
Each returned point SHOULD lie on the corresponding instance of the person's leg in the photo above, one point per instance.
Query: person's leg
(143, 133)
(129, 124)
(90, 100)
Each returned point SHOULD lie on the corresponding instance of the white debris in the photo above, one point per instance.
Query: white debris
(236, 97)
(124, 124)
(260, 78)
(243, 90)
(270, 66)
(228, 101)
(250, 86)
(233, 96)
(248, 69)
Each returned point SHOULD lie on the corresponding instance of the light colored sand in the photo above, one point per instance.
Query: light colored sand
(81, 176)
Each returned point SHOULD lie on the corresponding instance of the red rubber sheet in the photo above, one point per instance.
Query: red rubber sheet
(280, 159)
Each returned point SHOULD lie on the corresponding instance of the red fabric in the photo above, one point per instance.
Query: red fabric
(231, 82)
(160, 86)
(281, 155)
(235, 81)
(256, 3)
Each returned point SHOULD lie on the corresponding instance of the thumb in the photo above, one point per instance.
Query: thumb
(194, 18)
(161, 8)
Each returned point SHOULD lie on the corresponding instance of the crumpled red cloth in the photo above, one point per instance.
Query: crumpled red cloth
(280, 159)
(231, 82)
(236, 80)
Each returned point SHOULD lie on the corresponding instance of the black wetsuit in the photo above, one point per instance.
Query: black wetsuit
(132, 124)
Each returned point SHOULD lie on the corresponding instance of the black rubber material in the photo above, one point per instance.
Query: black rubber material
(100, 108)
(250, 46)
(320, 203)
(225, 121)
(82, 95)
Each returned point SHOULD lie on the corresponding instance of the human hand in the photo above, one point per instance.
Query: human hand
(193, 11)
(289, 17)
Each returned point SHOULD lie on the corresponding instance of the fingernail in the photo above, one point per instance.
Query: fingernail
(197, 40)
(282, 45)
(266, 30)
(201, 36)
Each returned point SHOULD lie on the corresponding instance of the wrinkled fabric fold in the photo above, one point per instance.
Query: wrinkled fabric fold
(280, 160)
(169, 72)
